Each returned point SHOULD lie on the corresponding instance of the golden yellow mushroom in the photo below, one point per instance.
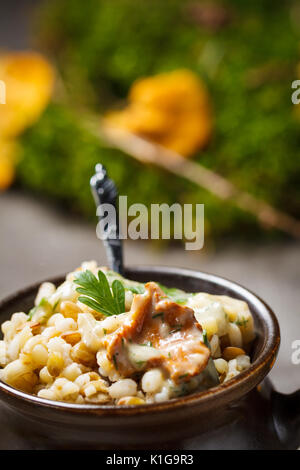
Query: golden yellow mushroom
(172, 109)
(28, 79)
(7, 163)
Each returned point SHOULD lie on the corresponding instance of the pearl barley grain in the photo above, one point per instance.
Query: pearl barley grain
(39, 355)
(221, 365)
(152, 381)
(123, 388)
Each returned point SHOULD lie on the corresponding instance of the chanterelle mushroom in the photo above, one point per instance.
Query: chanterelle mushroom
(158, 332)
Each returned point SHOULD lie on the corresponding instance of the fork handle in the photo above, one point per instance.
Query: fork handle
(105, 192)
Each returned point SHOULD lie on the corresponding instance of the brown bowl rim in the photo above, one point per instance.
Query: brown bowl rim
(258, 369)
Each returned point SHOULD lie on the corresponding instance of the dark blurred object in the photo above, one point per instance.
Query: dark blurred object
(105, 192)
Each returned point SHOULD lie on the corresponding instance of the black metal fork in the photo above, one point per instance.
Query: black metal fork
(105, 192)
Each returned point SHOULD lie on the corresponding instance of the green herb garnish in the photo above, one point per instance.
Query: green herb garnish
(115, 362)
(140, 363)
(177, 295)
(44, 304)
(210, 371)
(55, 305)
(175, 328)
(161, 314)
(242, 322)
(181, 301)
(183, 376)
(97, 294)
(205, 339)
(136, 289)
(149, 344)
(31, 313)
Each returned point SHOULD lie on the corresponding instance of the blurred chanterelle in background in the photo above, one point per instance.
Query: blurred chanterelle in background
(172, 109)
(29, 81)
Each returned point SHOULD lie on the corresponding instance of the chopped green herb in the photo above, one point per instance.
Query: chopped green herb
(181, 301)
(136, 289)
(177, 295)
(175, 328)
(169, 355)
(104, 331)
(205, 339)
(140, 363)
(44, 304)
(97, 294)
(115, 362)
(31, 313)
(183, 376)
(113, 274)
(149, 344)
(56, 304)
(161, 314)
(181, 390)
(241, 322)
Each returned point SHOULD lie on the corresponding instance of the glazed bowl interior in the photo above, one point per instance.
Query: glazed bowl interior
(263, 352)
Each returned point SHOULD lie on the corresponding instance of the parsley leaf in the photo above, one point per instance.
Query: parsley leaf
(119, 295)
(97, 294)
(241, 322)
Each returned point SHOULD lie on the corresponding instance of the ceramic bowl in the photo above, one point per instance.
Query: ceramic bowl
(67, 424)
